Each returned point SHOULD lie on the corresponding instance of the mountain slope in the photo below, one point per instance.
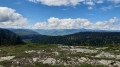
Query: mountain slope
(59, 32)
(55, 32)
(81, 38)
(85, 37)
(24, 32)
(9, 38)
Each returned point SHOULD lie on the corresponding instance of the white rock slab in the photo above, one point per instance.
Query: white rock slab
(105, 55)
(6, 58)
(84, 50)
(102, 48)
(32, 51)
(50, 61)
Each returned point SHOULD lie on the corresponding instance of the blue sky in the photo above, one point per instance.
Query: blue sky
(61, 14)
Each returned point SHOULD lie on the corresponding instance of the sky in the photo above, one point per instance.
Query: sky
(60, 14)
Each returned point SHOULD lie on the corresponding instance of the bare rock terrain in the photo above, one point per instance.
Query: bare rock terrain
(67, 56)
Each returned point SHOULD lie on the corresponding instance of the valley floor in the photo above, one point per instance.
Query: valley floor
(35, 55)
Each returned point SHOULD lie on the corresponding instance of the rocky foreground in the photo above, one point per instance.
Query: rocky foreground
(66, 56)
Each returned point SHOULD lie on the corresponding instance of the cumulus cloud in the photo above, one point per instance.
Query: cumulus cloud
(100, 1)
(115, 1)
(107, 25)
(66, 2)
(107, 8)
(56, 23)
(10, 19)
(90, 3)
(110, 7)
(90, 8)
(58, 2)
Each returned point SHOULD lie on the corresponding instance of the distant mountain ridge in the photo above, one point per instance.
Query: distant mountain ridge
(72, 37)
(24, 32)
(59, 32)
(55, 32)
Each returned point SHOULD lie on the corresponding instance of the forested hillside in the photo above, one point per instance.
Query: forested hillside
(60, 32)
(24, 32)
(9, 38)
(82, 38)
(52, 32)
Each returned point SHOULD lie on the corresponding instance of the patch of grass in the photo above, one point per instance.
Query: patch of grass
(5, 63)
(24, 55)
(89, 65)
(13, 50)
(113, 50)
(45, 65)
(19, 52)
(107, 59)
(82, 65)
(82, 55)
(77, 55)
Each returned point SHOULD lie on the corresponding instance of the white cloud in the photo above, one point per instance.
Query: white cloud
(67, 2)
(90, 8)
(41, 25)
(115, 1)
(107, 8)
(10, 19)
(106, 24)
(89, 3)
(58, 2)
(56, 23)
(110, 7)
(100, 1)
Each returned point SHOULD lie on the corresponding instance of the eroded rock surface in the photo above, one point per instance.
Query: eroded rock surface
(105, 55)
(84, 50)
(67, 55)
(6, 58)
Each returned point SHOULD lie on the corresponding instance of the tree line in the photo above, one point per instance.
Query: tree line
(9, 38)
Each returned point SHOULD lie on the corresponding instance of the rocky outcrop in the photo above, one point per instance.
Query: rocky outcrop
(67, 56)
(6, 58)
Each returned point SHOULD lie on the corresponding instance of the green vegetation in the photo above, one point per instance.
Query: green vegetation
(9, 38)
(18, 50)
(89, 65)
(44, 47)
(5, 63)
(82, 38)
(23, 32)
(47, 51)
(82, 65)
